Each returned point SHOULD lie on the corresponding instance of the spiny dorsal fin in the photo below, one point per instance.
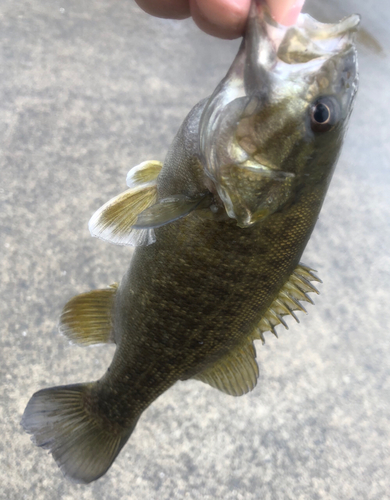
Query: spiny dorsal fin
(287, 301)
(86, 318)
(114, 221)
(235, 373)
(170, 209)
(143, 174)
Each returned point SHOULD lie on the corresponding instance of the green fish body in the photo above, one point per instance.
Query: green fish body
(219, 231)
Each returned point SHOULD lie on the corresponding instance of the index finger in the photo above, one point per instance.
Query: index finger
(285, 11)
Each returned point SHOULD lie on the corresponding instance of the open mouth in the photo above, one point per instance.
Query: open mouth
(310, 39)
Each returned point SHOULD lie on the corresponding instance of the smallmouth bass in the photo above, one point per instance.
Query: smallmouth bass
(219, 231)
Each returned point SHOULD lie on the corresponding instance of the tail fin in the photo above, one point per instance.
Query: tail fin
(81, 446)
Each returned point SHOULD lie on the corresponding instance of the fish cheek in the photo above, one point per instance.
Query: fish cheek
(319, 155)
(252, 196)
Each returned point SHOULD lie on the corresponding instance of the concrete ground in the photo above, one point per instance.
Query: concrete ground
(89, 89)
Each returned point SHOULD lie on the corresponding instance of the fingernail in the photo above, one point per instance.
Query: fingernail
(291, 15)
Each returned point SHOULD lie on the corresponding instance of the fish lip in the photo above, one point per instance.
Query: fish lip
(347, 25)
(324, 39)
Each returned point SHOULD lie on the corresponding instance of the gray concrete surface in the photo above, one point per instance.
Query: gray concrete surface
(89, 89)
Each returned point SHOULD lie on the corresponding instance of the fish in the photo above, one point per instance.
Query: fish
(219, 229)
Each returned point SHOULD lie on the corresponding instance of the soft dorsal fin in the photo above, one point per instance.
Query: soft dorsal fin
(287, 301)
(235, 373)
(170, 209)
(86, 318)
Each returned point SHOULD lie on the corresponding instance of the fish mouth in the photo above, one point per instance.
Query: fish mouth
(309, 39)
(325, 31)
(273, 54)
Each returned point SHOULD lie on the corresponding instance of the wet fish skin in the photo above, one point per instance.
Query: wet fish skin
(243, 184)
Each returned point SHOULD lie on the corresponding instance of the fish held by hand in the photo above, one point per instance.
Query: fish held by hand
(219, 230)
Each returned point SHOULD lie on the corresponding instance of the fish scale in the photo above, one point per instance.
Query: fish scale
(251, 294)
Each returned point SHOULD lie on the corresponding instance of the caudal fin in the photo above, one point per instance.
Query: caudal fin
(82, 447)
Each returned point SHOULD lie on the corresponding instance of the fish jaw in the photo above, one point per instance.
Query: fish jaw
(261, 114)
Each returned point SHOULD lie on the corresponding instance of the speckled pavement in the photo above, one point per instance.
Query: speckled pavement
(89, 89)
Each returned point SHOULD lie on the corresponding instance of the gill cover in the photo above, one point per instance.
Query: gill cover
(250, 114)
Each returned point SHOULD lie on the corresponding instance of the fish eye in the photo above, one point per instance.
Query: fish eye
(323, 114)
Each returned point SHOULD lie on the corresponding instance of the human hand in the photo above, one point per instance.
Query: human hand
(221, 18)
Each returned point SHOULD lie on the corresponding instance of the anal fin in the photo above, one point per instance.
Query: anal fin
(86, 318)
(235, 373)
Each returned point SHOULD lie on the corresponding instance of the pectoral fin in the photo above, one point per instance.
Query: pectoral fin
(170, 209)
(114, 221)
(235, 373)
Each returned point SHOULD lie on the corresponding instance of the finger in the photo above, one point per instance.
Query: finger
(285, 11)
(172, 9)
(221, 18)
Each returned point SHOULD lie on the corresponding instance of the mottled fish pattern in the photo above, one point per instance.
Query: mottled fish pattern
(219, 229)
